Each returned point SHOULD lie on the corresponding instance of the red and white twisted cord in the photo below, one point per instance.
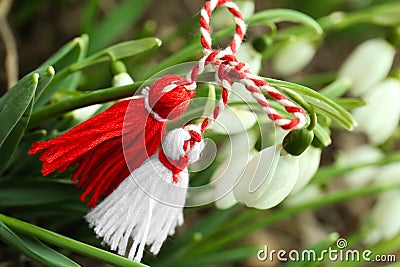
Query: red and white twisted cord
(226, 65)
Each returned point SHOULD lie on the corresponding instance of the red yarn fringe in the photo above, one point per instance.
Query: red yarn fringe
(96, 147)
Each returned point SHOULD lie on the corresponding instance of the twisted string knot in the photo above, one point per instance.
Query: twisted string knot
(226, 67)
(180, 148)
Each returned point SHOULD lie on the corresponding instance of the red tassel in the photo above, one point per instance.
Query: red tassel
(96, 144)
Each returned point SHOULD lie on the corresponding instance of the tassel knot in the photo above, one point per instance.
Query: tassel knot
(147, 206)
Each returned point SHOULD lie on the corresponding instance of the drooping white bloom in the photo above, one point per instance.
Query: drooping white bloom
(384, 217)
(267, 179)
(380, 116)
(359, 155)
(236, 153)
(147, 206)
(122, 79)
(369, 63)
(308, 166)
(293, 57)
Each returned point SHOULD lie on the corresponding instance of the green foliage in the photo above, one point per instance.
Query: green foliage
(38, 106)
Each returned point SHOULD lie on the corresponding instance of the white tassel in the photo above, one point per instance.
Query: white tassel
(146, 206)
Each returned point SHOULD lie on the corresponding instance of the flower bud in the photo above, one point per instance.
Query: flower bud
(297, 141)
(121, 77)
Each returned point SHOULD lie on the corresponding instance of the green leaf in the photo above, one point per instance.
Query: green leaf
(29, 192)
(68, 243)
(350, 103)
(320, 103)
(278, 15)
(222, 257)
(46, 75)
(61, 80)
(34, 249)
(117, 52)
(11, 142)
(18, 100)
(119, 20)
(21, 161)
(322, 134)
(80, 41)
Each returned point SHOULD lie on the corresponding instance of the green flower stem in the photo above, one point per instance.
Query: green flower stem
(324, 174)
(95, 97)
(68, 243)
(231, 234)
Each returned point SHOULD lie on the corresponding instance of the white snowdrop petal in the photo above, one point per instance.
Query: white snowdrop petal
(388, 174)
(308, 166)
(385, 215)
(369, 63)
(361, 154)
(122, 79)
(281, 184)
(380, 116)
(226, 177)
(226, 202)
(257, 174)
(238, 144)
(85, 113)
(233, 121)
(293, 57)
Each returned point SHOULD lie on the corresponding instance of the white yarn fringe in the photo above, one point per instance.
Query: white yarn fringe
(146, 206)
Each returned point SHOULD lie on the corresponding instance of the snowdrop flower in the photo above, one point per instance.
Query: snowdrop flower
(308, 166)
(268, 178)
(293, 57)
(236, 153)
(361, 154)
(380, 116)
(235, 122)
(369, 63)
(122, 79)
(385, 215)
